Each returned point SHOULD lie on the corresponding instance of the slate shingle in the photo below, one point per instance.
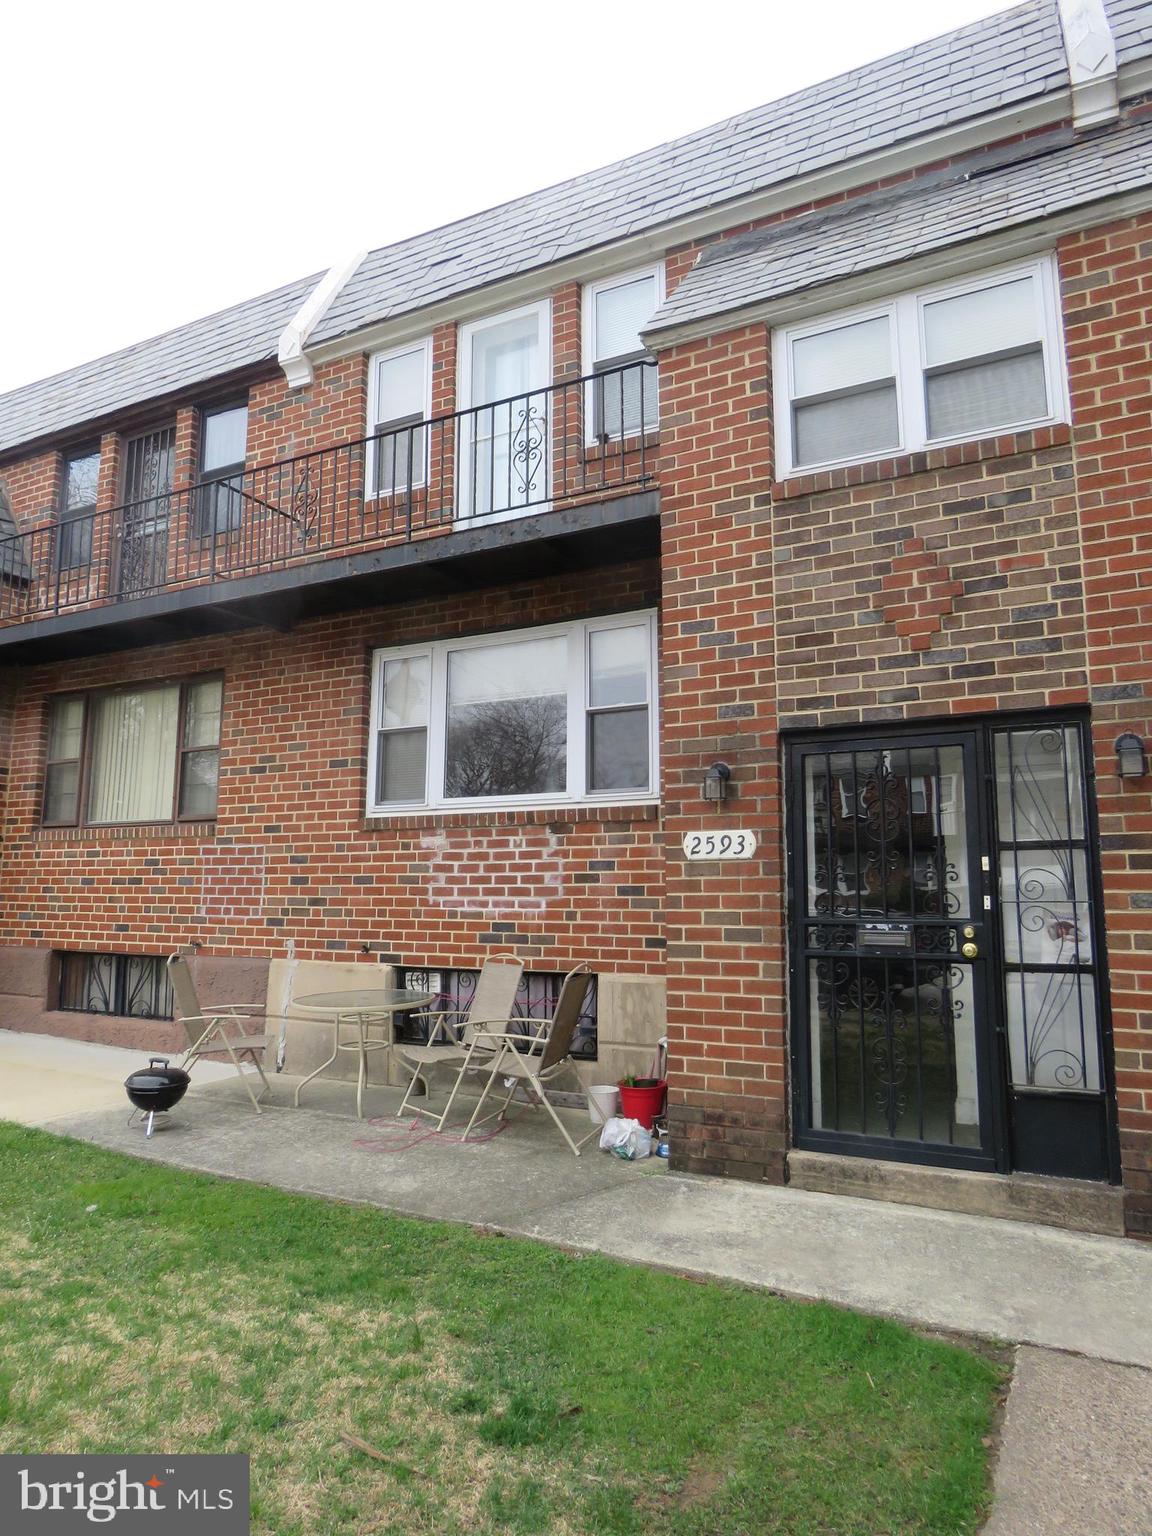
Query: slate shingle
(1007, 59)
(1011, 57)
(888, 228)
(191, 354)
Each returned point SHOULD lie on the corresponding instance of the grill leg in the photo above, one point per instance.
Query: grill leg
(151, 1126)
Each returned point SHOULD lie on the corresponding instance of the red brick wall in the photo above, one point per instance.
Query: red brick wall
(1106, 274)
(726, 1015)
(34, 488)
(291, 857)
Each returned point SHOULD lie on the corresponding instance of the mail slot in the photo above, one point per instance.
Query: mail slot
(885, 936)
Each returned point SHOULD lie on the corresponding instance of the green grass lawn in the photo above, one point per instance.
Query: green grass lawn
(509, 1387)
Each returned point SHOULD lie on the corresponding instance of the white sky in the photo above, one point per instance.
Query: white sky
(160, 161)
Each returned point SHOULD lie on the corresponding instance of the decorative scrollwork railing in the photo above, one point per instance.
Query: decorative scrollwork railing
(561, 446)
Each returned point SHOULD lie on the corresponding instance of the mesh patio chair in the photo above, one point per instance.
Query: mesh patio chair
(530, 1062)
(208, 1029)
(491, 1008)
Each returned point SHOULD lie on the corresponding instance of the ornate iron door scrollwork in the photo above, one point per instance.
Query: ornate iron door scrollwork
(889, 877)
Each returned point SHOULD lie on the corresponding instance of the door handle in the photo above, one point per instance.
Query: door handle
(969, 951)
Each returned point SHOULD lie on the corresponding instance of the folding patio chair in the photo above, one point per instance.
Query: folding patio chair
(491, 1008)
(530, 1061)
(207, 1028)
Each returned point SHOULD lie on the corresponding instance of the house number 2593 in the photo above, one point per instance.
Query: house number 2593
(719, 845)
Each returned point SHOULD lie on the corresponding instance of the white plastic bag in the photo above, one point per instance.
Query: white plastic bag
(625, 1138)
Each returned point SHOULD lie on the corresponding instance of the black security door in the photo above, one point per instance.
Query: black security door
(946, 1002)
(148, 465)
(890, 950)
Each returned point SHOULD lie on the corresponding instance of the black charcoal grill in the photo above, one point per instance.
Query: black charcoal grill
(156, 1088)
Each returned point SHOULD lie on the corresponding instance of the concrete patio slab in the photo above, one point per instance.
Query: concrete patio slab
(43, 1075)
(1077, 1450)
(1006, 1280)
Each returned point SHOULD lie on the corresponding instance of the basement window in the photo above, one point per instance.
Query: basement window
(129, 986)
(942, 366)
(536, 998)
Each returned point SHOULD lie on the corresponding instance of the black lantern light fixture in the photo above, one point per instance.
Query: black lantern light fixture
(1131, 756)
(715, 786)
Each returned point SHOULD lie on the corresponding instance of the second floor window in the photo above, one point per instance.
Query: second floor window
(625, 400)
(143, 754)
(970, 360)
(223, 448)
(398, 407)
(78, 509)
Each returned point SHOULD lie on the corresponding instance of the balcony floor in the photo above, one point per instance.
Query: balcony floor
(609, 532)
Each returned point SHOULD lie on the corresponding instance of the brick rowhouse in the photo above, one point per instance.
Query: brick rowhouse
(991, 579)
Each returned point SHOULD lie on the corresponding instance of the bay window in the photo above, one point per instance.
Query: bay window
(130, 755)
(976, 358)
(543, 716)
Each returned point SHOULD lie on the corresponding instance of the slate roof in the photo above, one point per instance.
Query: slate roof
(191, 354)
(1005, 60)
(877, 231)
(1131, 23)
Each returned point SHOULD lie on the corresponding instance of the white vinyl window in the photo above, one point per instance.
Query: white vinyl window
(541, 716)
(399, 405)
(623, 397)
(940, 366)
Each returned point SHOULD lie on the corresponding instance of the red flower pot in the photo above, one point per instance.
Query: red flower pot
(642, 1104)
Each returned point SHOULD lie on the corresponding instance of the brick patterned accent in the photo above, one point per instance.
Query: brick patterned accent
(993, 546)
(918, 594)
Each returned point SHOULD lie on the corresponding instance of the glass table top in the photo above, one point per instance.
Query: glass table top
(366, 1000)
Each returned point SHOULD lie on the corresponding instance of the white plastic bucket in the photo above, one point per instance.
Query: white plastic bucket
(603, 1103)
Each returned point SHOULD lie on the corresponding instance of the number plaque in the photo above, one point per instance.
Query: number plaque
(732, 844)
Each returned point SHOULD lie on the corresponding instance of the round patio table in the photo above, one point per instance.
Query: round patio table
(361, 1009)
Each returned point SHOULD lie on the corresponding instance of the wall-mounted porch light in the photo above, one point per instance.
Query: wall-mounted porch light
(1131, 757)
(715, 786)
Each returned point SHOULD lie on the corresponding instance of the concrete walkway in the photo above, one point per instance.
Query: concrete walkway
(1076, 1454)
(1070, 1422)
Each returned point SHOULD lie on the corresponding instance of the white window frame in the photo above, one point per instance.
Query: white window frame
(588, 335)
(905, 313)
(465, 404)
(577, 634)
(424, 345)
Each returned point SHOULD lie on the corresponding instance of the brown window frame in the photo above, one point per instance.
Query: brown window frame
(80, 819)
(82, 516)
(212, 483)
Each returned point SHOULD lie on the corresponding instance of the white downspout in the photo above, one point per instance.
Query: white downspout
(1091, 53)
(294, 337)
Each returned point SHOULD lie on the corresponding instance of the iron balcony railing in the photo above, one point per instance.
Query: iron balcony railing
(570, 443)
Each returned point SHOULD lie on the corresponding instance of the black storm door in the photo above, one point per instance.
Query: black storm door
(891, 1017)
(946, 1005)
